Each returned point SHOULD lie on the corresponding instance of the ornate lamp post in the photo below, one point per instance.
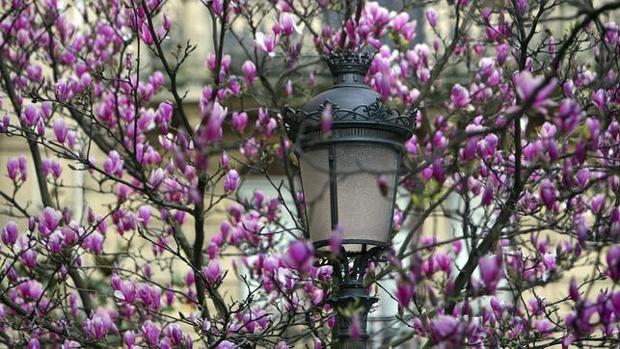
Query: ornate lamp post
(349, 178)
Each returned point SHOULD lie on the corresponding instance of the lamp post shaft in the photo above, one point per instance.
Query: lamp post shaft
(352, 304)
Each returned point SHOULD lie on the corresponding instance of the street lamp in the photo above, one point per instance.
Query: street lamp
(349, 176)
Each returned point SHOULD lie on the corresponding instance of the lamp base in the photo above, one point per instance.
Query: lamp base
(351, 301)
(352, 305)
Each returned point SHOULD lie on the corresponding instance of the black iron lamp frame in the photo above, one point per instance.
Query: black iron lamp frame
(368, 121)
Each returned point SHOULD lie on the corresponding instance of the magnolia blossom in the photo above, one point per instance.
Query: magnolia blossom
(326, 119)
(15, 167)
(60, 130)
(300, 255)
(443, 327)
(99, 325)
(533, 88)
(10, 233)
(129, 338)
(249, 71)
(215, 117)
(239, 121)
(431, 16)
(548, 193)
(113, 165)
(150, 332)
(460, 96)
(231, 183)
(404, 293)
(286, 25)
(212, 272)
(613, 263)
(266, 43)
(491, 271)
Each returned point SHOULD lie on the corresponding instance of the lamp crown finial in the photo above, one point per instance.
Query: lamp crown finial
(348, 62)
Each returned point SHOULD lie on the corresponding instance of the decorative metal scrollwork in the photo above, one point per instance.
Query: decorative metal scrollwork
(348, 62)
(297, 121)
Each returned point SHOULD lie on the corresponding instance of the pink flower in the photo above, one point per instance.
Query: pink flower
(231, 183)
(613, 263)
(317, 296)
(129, 338)
(212, 272)
(10, 233)
(598, 203)
(404, 293)
(127, 291)
(573, 290)
(144, 213)
(49, 221)
(33, 343)
(93, 243)
(543, 326)
(568, 88)
(99, 325)
(31, 289)
(599, 98)
(6, 121)
(443, 327)
(431, 16)
(502, 51)
(526, 85)
(225, 344)
(60, 130)
(29, 258)
(459, 96)
(149, 295)
(286, 25)
(113, 165)
(145, 34)
(30, 115)
(211, 61)
(300, 255)
(164, 116)
(548, 193)
(239, 121)
(335, 240)
(249, 72)
(51, 166)
(150, 332)
(288, 88)
(157, 177)
(522, 6)
(216, 116)
(457, 246)
(63, 91)
(266, 43)
(569, 115)
(400, 23)
(175, 333)
(491, 271)
(224, 160)
(326, 119)
(55, 242)
(218, 7)
(13, 168)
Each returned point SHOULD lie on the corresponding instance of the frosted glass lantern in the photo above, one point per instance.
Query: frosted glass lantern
(349, 173)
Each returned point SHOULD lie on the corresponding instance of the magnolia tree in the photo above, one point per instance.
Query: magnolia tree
(515, 106)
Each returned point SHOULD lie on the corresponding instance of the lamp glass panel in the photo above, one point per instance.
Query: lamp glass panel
(314, 165)
(364, 211)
